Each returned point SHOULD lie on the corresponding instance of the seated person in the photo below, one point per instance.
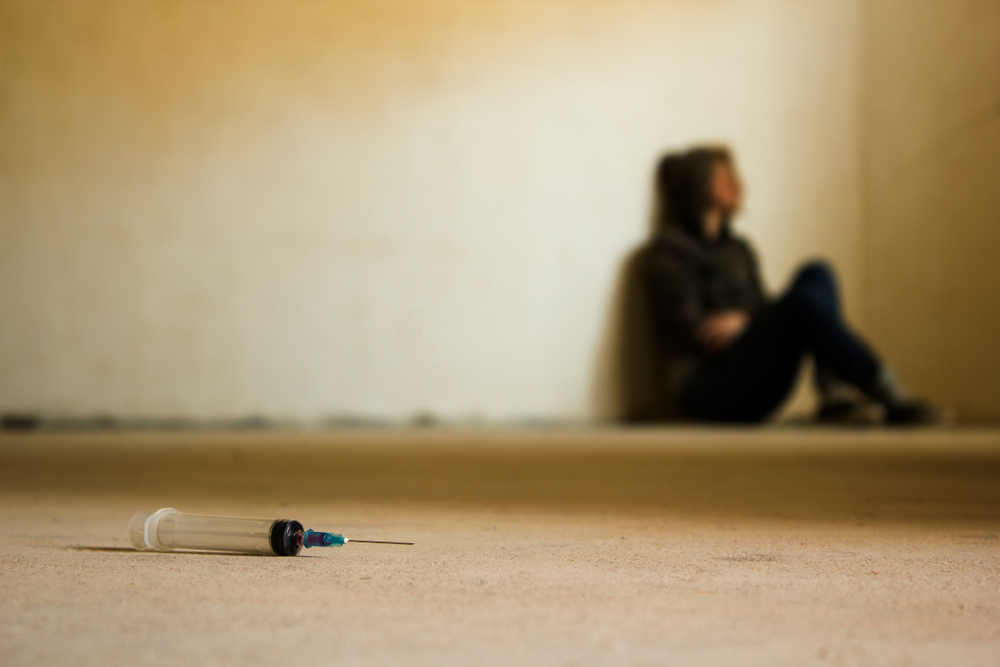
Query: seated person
(733, 353)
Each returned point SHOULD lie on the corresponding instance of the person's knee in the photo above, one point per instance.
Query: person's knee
(813, 294)
(814, 272)
(816, 281)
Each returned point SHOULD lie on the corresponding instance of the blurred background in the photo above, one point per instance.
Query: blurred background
(388, 210)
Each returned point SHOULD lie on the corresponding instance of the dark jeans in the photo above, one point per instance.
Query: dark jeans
(752, 377)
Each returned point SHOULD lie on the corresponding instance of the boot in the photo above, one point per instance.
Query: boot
(901, 409)
(841, 404)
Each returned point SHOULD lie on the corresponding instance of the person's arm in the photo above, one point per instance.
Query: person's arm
(720, 329)
(675, 297)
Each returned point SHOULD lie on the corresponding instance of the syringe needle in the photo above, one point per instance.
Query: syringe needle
(312, 538)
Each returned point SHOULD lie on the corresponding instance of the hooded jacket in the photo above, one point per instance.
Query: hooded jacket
(687, 280)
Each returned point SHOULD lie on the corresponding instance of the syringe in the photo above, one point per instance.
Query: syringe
(168, 530)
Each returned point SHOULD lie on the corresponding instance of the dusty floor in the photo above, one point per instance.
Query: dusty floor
(605, 547)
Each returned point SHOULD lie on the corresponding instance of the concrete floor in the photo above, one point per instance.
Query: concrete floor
(604, 547)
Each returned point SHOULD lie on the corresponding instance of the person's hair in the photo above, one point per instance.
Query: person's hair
(684, 187)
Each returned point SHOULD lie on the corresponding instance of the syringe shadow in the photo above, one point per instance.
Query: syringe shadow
(174, 553)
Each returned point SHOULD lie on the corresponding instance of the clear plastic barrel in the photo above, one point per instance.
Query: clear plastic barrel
(169, 529)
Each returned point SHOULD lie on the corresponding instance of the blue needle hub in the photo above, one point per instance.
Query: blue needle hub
(313, 538)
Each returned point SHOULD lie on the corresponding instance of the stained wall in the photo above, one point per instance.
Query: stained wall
(298, 209)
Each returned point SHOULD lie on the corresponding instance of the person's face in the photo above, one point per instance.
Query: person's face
(727, 193)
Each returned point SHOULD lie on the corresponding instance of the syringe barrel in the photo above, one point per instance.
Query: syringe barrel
(168, 529)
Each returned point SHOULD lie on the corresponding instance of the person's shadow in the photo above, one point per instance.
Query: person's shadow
(629, 382)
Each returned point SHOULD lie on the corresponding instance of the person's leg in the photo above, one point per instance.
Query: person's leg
(842, 352)
(815, 301)
(748, 380)
(751, 378)
(839, 401)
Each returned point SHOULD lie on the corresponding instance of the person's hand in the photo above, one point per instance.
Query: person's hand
(718, 331)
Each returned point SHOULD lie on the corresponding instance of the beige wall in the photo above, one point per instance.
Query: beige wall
(932, 139)
(295, 209)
